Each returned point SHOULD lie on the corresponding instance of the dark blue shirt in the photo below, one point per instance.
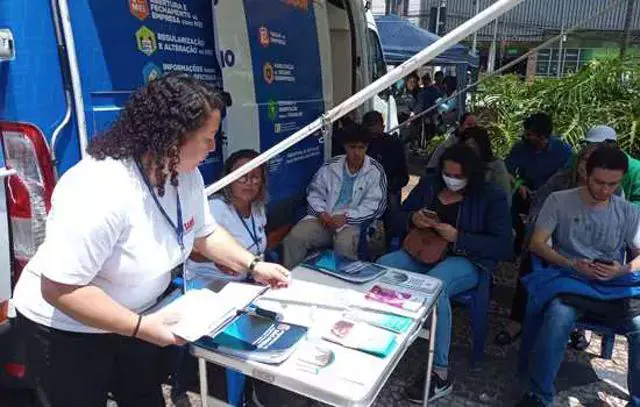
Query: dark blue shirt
(536, 167)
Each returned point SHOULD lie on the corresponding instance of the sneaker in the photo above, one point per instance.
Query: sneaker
(438, 388)
(530, 400)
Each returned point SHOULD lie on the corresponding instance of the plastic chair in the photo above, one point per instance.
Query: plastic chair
(532, 323)
(477, 299)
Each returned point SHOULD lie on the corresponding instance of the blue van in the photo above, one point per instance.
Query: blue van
(67, 68)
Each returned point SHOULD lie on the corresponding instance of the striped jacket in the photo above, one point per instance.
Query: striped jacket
(369, 199)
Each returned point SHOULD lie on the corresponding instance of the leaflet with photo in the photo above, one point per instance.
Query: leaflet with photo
(395, 298)
(361, 336)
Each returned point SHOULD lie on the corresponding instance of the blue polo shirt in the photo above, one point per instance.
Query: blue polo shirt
(536, 167)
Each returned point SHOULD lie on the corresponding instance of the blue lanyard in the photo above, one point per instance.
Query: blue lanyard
(254, 235)
(179, 228)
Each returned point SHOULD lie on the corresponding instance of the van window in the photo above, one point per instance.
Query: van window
(377, 66)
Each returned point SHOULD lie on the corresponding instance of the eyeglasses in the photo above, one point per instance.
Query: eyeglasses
(246, 179)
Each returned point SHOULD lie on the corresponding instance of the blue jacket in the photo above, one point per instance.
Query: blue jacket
(545, 283)
(484, 229)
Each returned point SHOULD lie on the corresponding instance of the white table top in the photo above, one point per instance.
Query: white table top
(354, 378)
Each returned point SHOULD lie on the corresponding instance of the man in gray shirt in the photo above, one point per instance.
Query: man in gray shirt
(590, 229)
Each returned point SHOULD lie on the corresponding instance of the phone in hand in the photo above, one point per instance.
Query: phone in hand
(430, 214)
(604, 261)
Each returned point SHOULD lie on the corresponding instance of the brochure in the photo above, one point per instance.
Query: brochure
(253, 337)
(394, 298)
(354, 271)
(205, 310)
(361, 336)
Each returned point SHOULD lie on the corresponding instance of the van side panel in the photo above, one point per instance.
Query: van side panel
(242, 124)
(286, 66)
(31, 86)
(124, 44)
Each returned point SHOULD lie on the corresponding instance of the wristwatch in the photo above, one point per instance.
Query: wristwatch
(254, 263)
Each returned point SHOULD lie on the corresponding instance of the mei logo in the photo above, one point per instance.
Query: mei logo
(188, 226)
(139, 9)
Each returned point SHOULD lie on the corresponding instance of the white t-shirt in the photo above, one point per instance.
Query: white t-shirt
(227, 217)
(105, 229)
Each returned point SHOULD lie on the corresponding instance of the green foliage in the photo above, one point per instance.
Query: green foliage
(604, 92)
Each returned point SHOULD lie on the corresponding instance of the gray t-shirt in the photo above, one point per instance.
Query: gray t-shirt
(584, 232)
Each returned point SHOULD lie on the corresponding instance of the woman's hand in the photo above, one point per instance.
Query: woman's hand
(448, 232)
(272, 274)
(156, 329)
(421, 220)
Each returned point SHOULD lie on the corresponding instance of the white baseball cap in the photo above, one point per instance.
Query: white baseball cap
(600, 134)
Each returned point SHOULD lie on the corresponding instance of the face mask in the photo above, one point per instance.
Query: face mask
(454, 184)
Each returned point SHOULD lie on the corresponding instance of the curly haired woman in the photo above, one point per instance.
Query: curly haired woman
(120, 221)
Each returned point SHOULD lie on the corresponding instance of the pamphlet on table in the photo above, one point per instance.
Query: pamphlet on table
(253, 337)
(361, 336)
(354, 271)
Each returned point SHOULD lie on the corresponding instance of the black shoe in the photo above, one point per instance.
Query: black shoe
(504, 338)
(530, 400)
(438, 388)
(579, 340)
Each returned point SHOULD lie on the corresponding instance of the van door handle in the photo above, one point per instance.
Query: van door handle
(7, 45)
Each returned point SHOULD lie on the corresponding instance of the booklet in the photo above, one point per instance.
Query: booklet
(394, 298)
(253, 337)
(394, 323)
(205, 310)
(361, 336)
(354, 271)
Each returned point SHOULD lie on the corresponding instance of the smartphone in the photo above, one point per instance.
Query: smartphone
(603, 261)
(429, 213)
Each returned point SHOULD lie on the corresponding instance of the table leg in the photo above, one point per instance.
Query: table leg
(204, 388)
(432, 344)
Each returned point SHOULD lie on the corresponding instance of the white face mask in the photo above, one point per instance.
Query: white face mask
(454, 184)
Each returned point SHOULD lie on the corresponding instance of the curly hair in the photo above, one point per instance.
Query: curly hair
(156, 122)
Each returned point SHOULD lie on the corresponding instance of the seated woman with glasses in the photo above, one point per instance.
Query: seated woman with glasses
(240, 209)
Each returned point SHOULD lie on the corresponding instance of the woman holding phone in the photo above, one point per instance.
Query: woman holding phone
(473, 218)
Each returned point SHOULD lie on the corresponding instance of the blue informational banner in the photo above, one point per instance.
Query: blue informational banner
(123, 44)
(287, 74)
(143, 39)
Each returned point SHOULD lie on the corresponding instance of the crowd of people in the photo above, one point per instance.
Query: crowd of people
(572, 218)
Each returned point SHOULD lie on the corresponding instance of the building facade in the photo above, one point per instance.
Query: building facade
(528, 25)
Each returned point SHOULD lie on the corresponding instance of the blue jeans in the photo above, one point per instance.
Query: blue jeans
(548, 351)
(457, 274)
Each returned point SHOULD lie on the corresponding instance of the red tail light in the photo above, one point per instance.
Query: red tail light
(28, 192)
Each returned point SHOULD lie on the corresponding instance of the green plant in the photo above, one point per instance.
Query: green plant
(603, 92)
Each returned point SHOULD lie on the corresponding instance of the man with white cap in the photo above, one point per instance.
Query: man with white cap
(631, 181)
